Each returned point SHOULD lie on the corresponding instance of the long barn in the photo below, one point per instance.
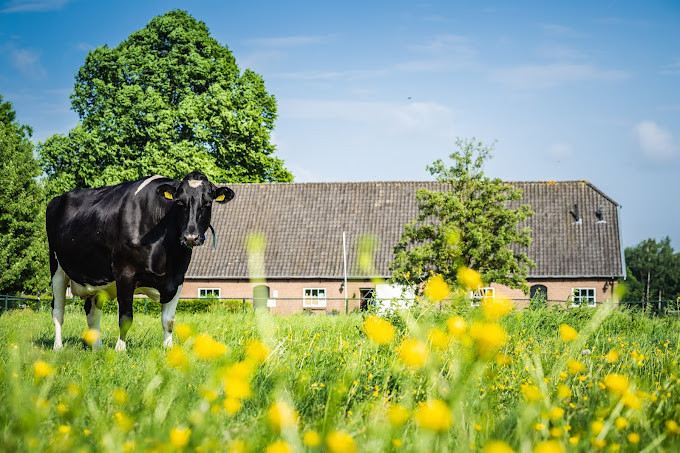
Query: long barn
(576, 243)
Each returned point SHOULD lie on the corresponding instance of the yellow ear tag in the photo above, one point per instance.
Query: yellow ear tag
(168, 195)
(220, 197)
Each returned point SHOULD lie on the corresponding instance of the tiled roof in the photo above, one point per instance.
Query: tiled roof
(303, 225)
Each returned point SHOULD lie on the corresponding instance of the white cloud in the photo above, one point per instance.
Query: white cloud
(655, 141)
(533, 77)
(289, 41)
(24, 6)
(560, 151)
(27, 62)
(418, 117)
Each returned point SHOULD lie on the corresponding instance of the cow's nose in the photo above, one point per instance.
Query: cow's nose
(191, 239)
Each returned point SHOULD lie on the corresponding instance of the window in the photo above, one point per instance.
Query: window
(583, 296)
(314, 297)
(477, 296)
(209, 293)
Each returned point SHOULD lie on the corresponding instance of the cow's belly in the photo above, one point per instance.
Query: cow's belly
(84, 291)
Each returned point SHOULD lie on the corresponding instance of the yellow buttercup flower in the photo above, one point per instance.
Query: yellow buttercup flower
(549, 446)
(206, 348)
(183, 332)
(469, 278)
(379, 330)
(231, 405)
(257, 351)
(280, 446)
(177, 358)
(236, 379)
(281, 416)
(620, 423)
(596, 427)
(179, 436)
(433, 415)
(340, 442)
(672, 427)
(436, 288)
(616, 383)
(397, 415)
(120, 396)
(568, 333)
(311, 439)
(456, 326)
(413, 353)
(91, 336)
(124, 422)
(64, 429)
(612, 356)
(556, 413)
(633, 438)
(495, 308)
(42, 369)
(497, 446)
(438, 338)
(575, 367)
(489, 337)
(563, 392)
(531, 392)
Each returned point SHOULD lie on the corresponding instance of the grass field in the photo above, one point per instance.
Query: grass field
(430, 380)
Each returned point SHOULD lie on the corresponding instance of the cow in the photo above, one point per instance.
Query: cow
(134, 237)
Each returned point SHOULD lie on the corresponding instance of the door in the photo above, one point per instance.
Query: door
(367, 298)
(260, 296)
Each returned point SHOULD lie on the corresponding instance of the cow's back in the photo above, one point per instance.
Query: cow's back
(86, 226)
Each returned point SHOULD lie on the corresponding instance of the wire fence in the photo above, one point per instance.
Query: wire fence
(331, 306)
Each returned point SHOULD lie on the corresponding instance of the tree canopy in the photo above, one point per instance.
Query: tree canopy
(653, 271)
(168, 100)
(23, 250)
(470, 224)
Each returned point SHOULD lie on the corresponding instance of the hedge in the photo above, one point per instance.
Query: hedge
(152, 307)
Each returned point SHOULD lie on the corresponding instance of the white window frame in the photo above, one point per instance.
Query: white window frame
(581, 300)
(477, 296)
(216, 293)
(311, 300)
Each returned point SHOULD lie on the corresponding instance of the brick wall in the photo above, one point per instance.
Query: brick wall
(288, 293)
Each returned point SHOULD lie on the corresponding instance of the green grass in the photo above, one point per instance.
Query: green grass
(337, 379)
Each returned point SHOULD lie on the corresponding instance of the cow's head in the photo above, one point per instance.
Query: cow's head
(193, 198)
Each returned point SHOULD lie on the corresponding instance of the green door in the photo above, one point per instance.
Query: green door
(260, 296)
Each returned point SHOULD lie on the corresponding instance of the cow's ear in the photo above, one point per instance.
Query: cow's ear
(223, 194)
(166, 191)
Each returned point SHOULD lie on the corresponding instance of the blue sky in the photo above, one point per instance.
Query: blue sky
(378, 90)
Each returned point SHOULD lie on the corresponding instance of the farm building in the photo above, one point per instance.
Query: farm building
(575, 243)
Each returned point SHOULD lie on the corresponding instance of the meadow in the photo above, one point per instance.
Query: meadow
(456, 378)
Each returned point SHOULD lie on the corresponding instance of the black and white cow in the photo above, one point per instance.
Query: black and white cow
(134, 237)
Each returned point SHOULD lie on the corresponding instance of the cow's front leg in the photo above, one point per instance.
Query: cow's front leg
(168, 318)
(93, 310)
(125, 294)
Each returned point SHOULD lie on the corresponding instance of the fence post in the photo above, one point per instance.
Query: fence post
(244, 305)
(146, 299)
(6, 297)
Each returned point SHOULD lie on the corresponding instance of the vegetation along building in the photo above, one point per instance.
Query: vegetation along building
(575, 244)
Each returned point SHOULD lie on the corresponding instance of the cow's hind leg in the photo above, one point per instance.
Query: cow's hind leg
(168, 318)
(59, 283)
(93, 310)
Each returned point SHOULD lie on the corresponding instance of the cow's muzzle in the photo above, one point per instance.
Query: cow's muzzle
(192, 240)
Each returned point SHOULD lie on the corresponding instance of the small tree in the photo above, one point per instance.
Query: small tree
(168, 100)
(23, 251)
(469, 224)
(653, 271)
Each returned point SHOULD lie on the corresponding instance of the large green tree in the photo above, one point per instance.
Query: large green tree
(653, 271)
(168, 100)
(23, 251)
(469, 224)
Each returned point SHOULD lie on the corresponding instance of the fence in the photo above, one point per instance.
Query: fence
(331, 306)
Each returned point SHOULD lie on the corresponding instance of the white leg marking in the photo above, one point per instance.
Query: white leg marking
(120, 345)
(168, 318)
(93, 319)
(59, 284)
